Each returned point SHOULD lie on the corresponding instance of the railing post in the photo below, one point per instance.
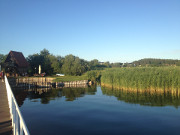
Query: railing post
(17, 123)
(14, 119)
(14, 127)
(21, 128)
(12, 113)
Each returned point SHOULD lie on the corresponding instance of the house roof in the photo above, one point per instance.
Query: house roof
(18, 57)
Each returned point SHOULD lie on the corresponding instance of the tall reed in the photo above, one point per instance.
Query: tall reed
(142, 78)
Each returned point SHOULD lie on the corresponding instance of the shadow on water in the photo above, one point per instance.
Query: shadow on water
(146, 97)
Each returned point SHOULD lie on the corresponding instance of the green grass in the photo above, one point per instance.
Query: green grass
(69, 78)
(142, 78)
(93, 75)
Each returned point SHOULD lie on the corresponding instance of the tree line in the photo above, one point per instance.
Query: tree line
(156, 62)
(68, 65)
(73, 65)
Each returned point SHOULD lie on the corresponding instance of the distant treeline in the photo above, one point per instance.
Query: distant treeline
(156, 62)
(142, 78)
(148, 62)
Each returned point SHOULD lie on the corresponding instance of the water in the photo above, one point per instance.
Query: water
(99, 111)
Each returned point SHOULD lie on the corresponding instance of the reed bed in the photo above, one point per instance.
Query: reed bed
(142, 78)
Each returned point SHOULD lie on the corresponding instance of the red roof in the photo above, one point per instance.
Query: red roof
(19, 58)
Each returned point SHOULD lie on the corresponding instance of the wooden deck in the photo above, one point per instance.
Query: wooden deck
(5, 120)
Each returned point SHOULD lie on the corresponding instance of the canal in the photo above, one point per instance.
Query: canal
(99, 111)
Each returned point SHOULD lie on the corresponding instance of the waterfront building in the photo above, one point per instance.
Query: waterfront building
(16, 64)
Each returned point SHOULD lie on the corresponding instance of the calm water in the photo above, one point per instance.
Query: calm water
(99, 111)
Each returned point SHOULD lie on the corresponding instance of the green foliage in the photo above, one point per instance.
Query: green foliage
(74, 65)
(178, 63)
(68, 65)
(94, 75)
(116, 64)
(56, 63)
(96, 65)
(2, 59)
(44, 52)
(165, 78)
(37, 59)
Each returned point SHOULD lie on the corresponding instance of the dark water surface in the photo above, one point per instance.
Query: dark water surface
(99, 111)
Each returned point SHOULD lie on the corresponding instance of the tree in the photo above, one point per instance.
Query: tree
(35, 60)
(44, 52)
(94, 63)
(2, 58)
(55, 63)
(40, 59)
(73, 65)
(68, 64)
(178, 63)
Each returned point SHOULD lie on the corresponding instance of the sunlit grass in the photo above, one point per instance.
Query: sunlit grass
(69, 78)
(142, 78)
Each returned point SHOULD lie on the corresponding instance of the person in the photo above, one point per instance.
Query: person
(2, 75)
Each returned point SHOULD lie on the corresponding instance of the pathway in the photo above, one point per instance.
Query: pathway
(5, 120)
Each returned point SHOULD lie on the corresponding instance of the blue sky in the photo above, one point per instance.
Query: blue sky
(108, 30)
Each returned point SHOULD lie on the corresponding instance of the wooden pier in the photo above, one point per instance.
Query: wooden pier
(5, 120)
(44, 82)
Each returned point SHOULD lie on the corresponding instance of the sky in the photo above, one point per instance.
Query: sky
(107, 30)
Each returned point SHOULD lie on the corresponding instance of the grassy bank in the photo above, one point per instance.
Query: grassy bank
(69, 78)
(142, 78)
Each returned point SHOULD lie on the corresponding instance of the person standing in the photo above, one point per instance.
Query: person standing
(2, 75)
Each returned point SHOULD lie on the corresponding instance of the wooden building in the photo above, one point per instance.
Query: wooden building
(16, 64)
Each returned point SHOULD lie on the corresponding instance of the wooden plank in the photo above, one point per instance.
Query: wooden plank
(5, 120)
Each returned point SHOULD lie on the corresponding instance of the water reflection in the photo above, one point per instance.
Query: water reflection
(147, 97)
(47, 94)
(99, 114)
(20, 95)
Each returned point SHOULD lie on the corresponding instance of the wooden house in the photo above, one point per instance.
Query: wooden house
(16, 64)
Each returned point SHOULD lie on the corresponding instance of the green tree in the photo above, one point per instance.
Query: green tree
(55, 63)
(68, 64)
(35, 60)
(44, 52)
(2, 58)
(40, 59)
